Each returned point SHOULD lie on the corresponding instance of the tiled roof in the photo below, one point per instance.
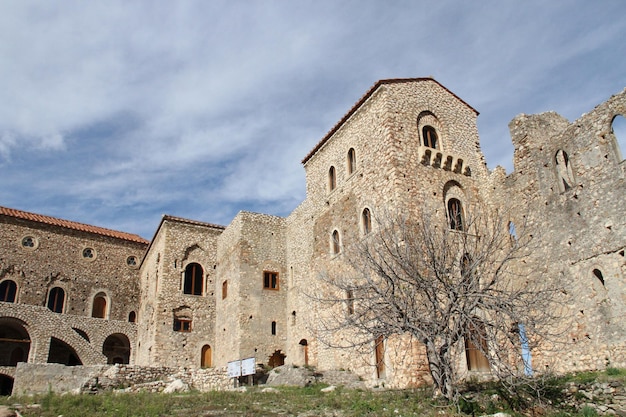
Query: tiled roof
(363, 99)
(53, 221)
(194, 222)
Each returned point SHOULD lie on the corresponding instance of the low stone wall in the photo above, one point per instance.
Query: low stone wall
(49, 377)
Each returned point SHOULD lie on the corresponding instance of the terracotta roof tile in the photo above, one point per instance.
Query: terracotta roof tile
(362, 100)
(53, 221)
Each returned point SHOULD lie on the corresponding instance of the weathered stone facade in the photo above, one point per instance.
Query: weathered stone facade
(204, 295)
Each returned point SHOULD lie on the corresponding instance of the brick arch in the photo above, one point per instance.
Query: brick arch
(428, 118)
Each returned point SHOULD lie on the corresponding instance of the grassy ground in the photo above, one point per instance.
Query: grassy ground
(285, 401)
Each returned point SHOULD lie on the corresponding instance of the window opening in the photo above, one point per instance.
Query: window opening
(380, 356)
(564, 170)
(598, 274)
(56, 299)
(206, 357)
(618, 126)
(99, 309)
(8, 291)
(332, 179)
(366, 220)
(526, 356)
(182, 325)
(429, 135)
(274, 328)
(512, 231)
(350, 301)
(305, 350)
(270, 280)
(224, 289)
(28, 242)
(132, 317)
(89, 253)
(335, 242)
(455, 214)
(132, 261)
(194, 280)
(351, 161)
(116, 348)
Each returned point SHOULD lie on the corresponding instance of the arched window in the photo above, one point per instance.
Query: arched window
(56, 299)
(335, 243)
(366, 221)
(194, 279)
(429, 137)
(618, 127)
(274, 328)
(598, 274)
(332, 179)
(99, 308)
(206, 360)
(132, 317)
(8, 291)
(224, 289)
(351, 161)
(455, 214)
(350, 301)
(564, 170)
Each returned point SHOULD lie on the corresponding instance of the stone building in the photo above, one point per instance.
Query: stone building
(201, 295)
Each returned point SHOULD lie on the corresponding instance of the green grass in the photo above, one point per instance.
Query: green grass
(293, 401)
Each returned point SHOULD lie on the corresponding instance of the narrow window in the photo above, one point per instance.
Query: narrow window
(366, 221)
(194, 279)
(332, 179)
(350, 301)
(206, 357)
(351, 161)
(455, 214)
(182, 325)
(526, 355)
(564, 170)
(273, 328)
(598, 274)
(8, 291)
(429, 136)
(56, 299)
(224, 289)
(512, 232)
(132, 317)
(270, 280)
(618, 127)
(99, 309)
(305, 350)
(335, 242)
(379, 349)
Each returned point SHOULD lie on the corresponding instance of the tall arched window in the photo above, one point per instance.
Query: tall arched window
(56, 299)
(351, 161)
(332, 179)
(335, 242)
(8, 291)
(429, 136)
(132, 317)
(366, 221)
(194, 279)
(564, 170)
(455, 214)
(99, 308)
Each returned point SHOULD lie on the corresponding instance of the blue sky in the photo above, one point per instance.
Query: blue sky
(114, 113)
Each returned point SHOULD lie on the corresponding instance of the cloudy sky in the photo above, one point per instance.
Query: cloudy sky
(114, 113)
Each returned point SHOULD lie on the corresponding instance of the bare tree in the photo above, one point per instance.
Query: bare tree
(457, 287)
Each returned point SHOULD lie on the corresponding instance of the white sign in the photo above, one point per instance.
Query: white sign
(234, 369)
(248, 366)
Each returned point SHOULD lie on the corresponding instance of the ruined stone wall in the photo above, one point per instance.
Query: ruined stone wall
(572, 203)
(185, 244)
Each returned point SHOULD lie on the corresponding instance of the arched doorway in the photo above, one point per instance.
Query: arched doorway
(305, 350)
(116, 348)
(14, 342)
(6, 384)
(99, 308)
(61, 352)
(206, 359)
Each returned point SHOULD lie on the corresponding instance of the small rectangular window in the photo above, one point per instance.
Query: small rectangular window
(224, 289)
(270, 280)
(182, 325)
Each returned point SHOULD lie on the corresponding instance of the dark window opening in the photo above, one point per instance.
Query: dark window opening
(270, 280)
(56, 299)
(350, 301)
(224, 289)
(455, 214)
(182, 325)
(116, 348)
(366, 221)
(332, 179)
(99, 309)
(598, 274)
(336, 242)
(430, 137)
(132, 317)
(194, 279)
(8, 291)
(273, 328)
(351, 161)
